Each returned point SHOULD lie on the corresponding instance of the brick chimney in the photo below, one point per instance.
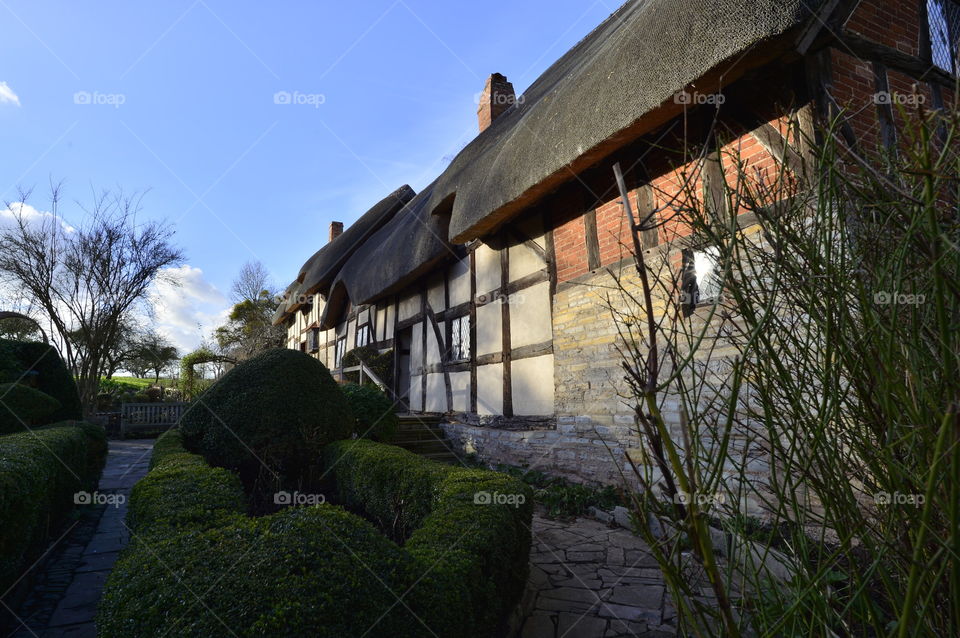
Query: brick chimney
(335, 229)
(496, 98)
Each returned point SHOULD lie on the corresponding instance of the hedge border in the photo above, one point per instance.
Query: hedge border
(474, 556)
(40, 472)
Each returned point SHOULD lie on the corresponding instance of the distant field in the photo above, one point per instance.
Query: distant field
(144, 383)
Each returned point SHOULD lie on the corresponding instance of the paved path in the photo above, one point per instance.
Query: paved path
(64, 601)
(588, 580)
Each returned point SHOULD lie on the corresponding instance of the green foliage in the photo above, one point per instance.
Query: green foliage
(250, 328)
(562, 498)
(20, 358)
(40, 472)
(292, 573)
(182, 491)
(170, 442)
(116, 386)
(373, 411)
(24, 406)
(274, 413)
(380, 363)
(473, 554)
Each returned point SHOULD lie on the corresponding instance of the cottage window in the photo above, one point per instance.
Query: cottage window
(339, 351)
(943, 21)
(460, 338)
(702, 278)
(313, 340)
(364, 335)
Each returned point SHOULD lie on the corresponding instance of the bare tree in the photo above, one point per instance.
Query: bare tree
(85, 280)
(251, 284)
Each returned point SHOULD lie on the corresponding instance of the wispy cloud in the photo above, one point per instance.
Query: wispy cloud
(187, 308)
(7, 96)
(30, 214)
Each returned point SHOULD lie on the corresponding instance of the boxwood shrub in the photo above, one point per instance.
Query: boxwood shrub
(302, 571)
(373, 411)
(40, 471)
(472, 552)
(277, 409)
(21, 405)
(52, 376)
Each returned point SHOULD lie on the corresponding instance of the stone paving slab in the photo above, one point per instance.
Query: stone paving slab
(64, 603)
(588, 580)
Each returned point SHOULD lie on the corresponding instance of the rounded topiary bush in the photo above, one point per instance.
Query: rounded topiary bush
(305, 571)
(22, 406)
(276, 410)
(20, 360)
(373, 411)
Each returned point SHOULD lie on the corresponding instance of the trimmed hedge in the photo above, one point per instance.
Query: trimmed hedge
(22, 405)
(170, 442)
(373, 411)
(302, 571)
(53, 377)
(40, 472)
(473, 556)
(279, 408)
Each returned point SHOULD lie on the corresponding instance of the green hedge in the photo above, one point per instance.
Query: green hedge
(373, 411)
(53, 377)
(303, 571)
(40, 472)
(21, 405)
(277, 409)
(182, 491)
(473, 556)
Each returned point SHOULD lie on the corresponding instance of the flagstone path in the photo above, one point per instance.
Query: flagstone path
(588, 580)
(64, 600)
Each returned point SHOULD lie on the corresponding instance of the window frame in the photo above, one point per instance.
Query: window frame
(339, 350)
(459, 350)
(367, 329)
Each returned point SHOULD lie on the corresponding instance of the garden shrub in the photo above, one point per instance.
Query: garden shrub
(381, 363)
(302, 571)
(473, 555)
(373, 411)
(182, 491)
(170, 442)
(52, 375)
(40, 472)
(21, 405)
(279, 408)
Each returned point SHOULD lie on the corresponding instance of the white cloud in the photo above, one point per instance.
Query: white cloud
(7, 96)
(30, 214)
(187, 312)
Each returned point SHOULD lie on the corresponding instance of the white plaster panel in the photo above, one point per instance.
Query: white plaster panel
(488, 269)
(489, 329)
(409, 306)
(436, 393)
(416, 348)
(436, 294)
(532, 385)
(460, 384)
(433, 348)
(490, 389)
(416, 393)
(460, 282)
(530, 316)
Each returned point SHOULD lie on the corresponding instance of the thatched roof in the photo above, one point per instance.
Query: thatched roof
(598, 96)
(632, 63)
(410, 245)
(318, 271)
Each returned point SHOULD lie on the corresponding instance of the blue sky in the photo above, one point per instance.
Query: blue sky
(178, 97)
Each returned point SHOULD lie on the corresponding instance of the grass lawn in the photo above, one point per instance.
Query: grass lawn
(145, 383)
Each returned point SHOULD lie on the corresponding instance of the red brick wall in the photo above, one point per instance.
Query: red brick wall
(895, 23)
(570, 245)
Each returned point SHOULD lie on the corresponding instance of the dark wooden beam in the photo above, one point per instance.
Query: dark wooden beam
(505, 333)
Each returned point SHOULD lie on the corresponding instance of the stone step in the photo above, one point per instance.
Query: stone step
(426, 446)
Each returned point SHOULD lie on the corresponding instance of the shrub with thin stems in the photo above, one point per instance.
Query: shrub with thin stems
(810, 485)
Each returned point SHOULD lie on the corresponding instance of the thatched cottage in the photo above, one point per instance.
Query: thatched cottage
(488, 285)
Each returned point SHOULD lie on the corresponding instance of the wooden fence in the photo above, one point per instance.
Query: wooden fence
(149, 416)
